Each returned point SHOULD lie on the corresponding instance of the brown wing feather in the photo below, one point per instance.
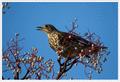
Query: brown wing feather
(73, 44)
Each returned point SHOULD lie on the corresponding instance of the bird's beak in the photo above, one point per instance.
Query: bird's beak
(39, 28)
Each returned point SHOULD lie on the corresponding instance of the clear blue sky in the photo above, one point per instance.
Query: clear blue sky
(100, 18)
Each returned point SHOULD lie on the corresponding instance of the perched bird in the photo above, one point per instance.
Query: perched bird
(68, 44)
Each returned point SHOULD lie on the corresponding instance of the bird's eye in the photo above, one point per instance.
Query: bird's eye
(46, 25)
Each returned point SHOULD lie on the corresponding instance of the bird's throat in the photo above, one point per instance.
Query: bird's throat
(53, 39)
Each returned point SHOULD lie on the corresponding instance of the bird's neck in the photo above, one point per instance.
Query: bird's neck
(53, 39)
(52, 34)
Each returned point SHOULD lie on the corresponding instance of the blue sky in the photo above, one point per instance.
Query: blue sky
(98, 17)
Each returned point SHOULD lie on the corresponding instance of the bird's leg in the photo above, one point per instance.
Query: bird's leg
(59, 60)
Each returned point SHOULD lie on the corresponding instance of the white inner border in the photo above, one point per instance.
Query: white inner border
(58, 1)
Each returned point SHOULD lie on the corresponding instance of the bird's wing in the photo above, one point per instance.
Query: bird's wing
(72, 44)
(70, 39)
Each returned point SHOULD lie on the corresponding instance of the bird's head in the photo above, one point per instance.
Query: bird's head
(48, 28)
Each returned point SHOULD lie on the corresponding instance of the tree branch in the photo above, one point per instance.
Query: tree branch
(24, 77)
(66, 66)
